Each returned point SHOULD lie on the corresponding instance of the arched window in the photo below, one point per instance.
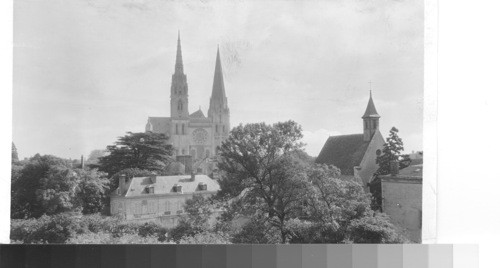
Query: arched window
(216, 128)
(183, 130)
(176, 128)
(374, 124)
(366, 123)
(179, 105)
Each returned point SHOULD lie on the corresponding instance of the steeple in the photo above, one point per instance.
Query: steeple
(370, 120)
(218, 111)
(179, 68)
(218, 90)
(179, 89)
(370, 109)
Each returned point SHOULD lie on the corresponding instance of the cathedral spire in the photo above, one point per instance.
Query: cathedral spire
(218, 90)
(179, 68)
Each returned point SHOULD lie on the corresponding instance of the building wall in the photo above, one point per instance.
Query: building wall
(163, 209)
(368, 165)
(402, 201)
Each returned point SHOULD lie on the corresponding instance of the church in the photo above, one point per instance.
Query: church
(355, 155)
(194, 136)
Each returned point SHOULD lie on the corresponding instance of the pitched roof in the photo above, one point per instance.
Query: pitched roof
(345, 152)
(165, 185)
(412, 171)
(370, 109)
(197, 114)
(159, 124)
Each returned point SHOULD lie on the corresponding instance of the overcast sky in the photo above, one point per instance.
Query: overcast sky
(87, 71)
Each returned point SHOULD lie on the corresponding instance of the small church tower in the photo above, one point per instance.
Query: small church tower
(179, 88)
(370, 120)
(219, 110)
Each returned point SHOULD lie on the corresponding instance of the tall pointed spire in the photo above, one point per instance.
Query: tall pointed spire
(179, 68)
(370, 109)
(218, 90)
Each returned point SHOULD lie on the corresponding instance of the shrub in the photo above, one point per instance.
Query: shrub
(154, 230)
(206, 238)
(54, 229)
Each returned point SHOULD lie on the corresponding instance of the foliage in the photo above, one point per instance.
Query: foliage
(392, 151)
(206, 238)
(93, 158)
(29, 180)
(374, 229)
(55, 229)
(150, 229)
(47, 185)
(262, 160)
(257, 231)
(147, 151)
(106, 238)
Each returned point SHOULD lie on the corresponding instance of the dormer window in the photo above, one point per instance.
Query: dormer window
(150, 189)
(177, 188)
(202, 186)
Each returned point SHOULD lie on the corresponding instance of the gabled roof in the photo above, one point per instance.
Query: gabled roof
(197, 114)
(345, 152)
(159, 124)
(165, 185)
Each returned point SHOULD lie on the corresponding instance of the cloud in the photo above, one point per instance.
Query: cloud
(315, 140)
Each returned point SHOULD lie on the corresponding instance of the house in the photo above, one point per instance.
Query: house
(158, 198)
(355, 155)
(401, 198)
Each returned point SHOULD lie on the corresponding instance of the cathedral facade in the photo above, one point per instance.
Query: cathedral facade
(193, 134)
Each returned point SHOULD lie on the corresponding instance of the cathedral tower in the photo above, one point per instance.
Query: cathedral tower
(370, 120)
(179, 88)
(218, 111)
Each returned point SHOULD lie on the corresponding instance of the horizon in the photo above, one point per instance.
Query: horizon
(86, 76)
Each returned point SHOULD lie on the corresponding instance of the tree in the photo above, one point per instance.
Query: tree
(199, 210)
(148, 151)
(93, 158)
(24, 200)
(92, 189)
(261, 160)
(392, 151)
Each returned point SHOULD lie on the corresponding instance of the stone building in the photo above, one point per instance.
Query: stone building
(355, 154)
(158, 198)
(401, 199)
(194, 135)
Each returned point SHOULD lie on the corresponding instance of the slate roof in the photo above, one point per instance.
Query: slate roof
(160, 124)
(197, 114)
(165, 185)
(370, 109)
(345, 152)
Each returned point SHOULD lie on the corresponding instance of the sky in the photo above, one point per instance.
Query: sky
(88, 71)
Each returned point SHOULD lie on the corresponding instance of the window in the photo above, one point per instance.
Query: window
(374, 124)
(179, 106)
(366, 123)
(216, 128)
(176, 128)
(183, 130)
(223, 128)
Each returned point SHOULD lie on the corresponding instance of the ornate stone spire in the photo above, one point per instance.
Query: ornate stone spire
(218, 90)
(179, 68)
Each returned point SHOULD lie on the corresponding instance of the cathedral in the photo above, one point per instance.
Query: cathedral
(194, 136)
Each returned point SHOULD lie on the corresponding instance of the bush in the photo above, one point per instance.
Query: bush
(150, 229)
(206, 238)
(375, 229)
(55, 229)
(257, 231)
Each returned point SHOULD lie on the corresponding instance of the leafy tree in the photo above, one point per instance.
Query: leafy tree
(147, 151)
(25, 199)
(91, 192)
(375, 229)
(261, 159)
(392, 151)
(93, 158)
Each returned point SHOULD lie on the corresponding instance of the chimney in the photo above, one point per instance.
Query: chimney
(82, 162)
(394, 167)
(193, 175)
(122, 181)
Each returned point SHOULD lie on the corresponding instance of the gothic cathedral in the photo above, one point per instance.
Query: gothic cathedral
(194, 134)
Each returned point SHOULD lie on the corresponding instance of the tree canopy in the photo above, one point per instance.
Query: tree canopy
(392, 151)
(147, 151)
